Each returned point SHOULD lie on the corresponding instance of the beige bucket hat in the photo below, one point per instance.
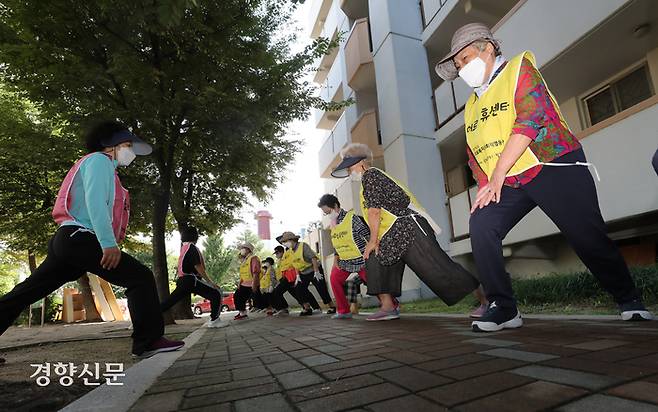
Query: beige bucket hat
(287, 236)
(246, 246)
(464, 36)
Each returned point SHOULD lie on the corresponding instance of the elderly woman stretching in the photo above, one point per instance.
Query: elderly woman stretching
(401, 233)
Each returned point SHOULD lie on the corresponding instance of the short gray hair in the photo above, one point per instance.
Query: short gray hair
(357, 150)
(481, 44)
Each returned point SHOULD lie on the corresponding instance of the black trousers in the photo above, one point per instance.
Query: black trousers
(279, 301)
(262, 300)
(241, 296)
(445, 277)
(69, 257)
(568, 197)
(304, 294)
(320, 286)
(188, 284)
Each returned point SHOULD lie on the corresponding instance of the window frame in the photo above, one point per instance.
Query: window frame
(611, 84)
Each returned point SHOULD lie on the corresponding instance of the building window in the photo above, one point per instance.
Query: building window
(618, 95)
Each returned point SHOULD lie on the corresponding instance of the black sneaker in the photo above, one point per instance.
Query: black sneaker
(634, 311)
(306, 312)
(498, 318)
(331, 311)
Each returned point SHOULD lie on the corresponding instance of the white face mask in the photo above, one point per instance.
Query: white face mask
(356, 176)
(333, 215)
(473, 72)
(289, 244)
(125, 156)
(244, 252)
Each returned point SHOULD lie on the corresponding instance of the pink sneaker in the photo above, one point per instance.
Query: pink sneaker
(161, 345)
(479, 312)
(384, 315)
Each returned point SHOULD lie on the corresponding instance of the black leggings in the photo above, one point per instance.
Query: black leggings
(70, 255)
(188, 284)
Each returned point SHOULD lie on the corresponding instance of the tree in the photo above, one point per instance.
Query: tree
(35, 154)
(211, 84)
(219, 259)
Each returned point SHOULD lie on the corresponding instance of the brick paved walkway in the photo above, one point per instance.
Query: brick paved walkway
(414, 364)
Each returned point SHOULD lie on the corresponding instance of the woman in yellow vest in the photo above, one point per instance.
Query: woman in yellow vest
(286, 276)
(401, 233)
(304, 260)
(516, 136)
(267, 283)
(349, 236)
(249, 277)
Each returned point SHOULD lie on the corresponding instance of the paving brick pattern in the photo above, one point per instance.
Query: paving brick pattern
(416, 364)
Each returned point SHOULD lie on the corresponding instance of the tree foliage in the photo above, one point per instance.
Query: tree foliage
(211, 84)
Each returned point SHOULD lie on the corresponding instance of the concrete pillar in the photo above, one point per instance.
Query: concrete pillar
(407, 121)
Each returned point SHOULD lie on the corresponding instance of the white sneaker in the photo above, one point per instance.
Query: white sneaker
(282, 312)
(217, 323)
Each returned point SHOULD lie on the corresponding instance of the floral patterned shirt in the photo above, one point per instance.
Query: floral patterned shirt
(380, 192)
(538, 119)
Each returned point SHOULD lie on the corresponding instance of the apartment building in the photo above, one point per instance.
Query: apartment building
(599, 58)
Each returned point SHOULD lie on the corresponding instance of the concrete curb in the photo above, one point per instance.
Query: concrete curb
(138, 379)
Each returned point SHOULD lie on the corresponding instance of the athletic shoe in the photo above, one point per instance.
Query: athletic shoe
(479, 312)
(281, 313)
(240, 317)
(347, 315)
(331, 311)
(161, 345)
(497, 318)
(217, 323)
(384, 315)
(634, 311)
(317, 311)
(306, 312)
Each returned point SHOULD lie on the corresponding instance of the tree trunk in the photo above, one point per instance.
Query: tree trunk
(160, 207)
(91, 312)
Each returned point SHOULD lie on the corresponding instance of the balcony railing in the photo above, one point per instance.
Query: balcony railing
(450, 98)
(358, 57)
(317, 15)
(355, 9)
(366, 131)
(330, 150)
(429, 8)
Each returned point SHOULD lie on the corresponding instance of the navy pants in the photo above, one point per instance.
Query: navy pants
(568, 197)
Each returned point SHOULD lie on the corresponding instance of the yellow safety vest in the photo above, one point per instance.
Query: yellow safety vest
(265, 279)
(342, 238)
(297, 258)
(490, 118)
(245, 269)
(387, 218)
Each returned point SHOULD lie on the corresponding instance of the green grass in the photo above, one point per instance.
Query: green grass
(570, 294)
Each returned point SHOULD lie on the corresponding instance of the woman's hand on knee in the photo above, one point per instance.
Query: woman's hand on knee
(111, 258)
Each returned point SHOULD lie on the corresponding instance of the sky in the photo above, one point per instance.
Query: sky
(294, 202)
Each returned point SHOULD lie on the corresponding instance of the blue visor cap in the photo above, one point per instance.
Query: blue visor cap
(140, 147)
(341, 171)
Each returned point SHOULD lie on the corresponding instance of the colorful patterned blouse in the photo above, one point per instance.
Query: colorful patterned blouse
(537, 119)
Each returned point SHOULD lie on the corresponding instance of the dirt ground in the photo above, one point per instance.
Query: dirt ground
(105, 342)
